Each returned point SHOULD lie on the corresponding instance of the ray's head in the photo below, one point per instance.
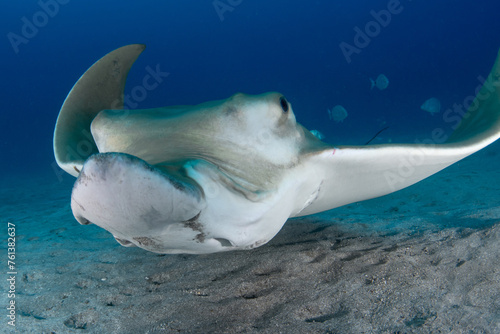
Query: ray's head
(270, 111)
(265, 121)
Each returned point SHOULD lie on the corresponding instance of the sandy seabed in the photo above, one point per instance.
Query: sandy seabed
(422, 260)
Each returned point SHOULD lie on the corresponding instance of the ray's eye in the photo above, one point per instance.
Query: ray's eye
(284, 104)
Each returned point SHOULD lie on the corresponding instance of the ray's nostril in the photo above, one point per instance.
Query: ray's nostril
(83, 220)
(224, 242)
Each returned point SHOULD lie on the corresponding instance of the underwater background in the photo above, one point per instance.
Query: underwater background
(318, 54)
(213, 49)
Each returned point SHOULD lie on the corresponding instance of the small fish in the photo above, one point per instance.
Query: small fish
(381, 82)
(338, 113)
(317, 134)
(432, 106)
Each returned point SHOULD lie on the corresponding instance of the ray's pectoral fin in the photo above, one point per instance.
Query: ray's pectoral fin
(100, 87)
(351, 174)
(139, 204)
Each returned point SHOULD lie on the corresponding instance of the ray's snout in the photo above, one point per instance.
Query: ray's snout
(133, 200)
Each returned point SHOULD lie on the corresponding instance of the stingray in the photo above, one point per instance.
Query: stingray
(227, 174)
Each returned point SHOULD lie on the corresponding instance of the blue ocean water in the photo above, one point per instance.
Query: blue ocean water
(423, 258)
(213, 49)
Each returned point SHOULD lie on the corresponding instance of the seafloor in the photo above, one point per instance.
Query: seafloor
(422, 260)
